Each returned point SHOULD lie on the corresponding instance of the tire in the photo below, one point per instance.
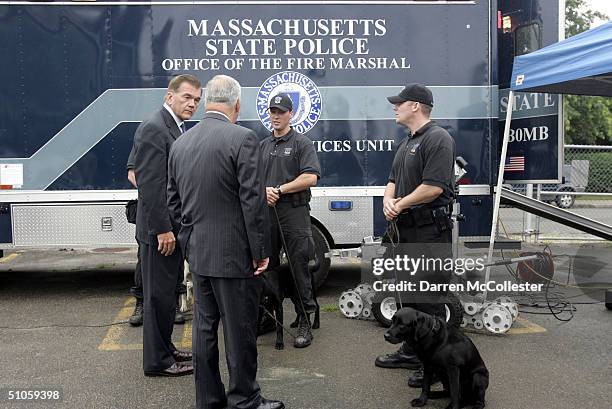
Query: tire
(454, 310)
(381, 309)
(565, 201)
(320, 267)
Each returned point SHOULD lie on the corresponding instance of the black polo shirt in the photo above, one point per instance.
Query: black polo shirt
(287, 157)
(427, 157)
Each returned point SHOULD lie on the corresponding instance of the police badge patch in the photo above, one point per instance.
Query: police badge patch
(304, 94)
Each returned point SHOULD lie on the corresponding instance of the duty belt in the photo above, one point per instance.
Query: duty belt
(296, 199)
(424, 216)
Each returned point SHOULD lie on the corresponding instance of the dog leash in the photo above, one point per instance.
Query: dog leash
(393, 233)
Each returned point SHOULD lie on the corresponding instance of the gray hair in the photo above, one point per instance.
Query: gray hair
(222, 89)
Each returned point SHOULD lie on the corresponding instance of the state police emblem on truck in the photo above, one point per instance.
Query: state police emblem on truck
(304, 94)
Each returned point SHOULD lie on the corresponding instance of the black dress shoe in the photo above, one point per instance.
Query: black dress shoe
(270, 404)
(416, 379)
(398, 360)
(177, 369)
(182, 356)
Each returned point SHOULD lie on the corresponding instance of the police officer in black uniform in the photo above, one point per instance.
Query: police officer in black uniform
(418, 199)
(291, 169)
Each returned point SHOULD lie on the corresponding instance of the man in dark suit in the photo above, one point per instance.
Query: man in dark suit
(216, 191)
(137, 319)
(155, 231)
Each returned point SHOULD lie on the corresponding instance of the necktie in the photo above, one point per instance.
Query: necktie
(182, 128)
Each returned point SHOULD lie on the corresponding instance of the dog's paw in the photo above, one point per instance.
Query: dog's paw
(418, 402)
(184, 306)
(279, 345)
(190, 298)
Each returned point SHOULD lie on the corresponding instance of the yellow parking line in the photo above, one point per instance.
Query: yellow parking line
(186, 340)
(111, 341)
(527, 327)
(9, 258)
(115, 332)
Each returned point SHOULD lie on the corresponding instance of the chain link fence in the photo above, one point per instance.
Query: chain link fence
(586, 189)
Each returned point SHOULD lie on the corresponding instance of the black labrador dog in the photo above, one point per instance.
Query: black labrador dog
(448, 353)
(271, 305)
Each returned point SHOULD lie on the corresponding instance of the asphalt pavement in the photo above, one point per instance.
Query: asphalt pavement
(58, 308)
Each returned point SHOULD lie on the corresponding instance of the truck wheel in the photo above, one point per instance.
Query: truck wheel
(384, 308)
(565, 201)
(320, 267)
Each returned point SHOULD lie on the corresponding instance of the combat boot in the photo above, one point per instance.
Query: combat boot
(179, 318)
(135, 319)
(402, 358)
(304, 335)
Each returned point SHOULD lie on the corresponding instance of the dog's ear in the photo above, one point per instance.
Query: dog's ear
(397, 322)
(422, 326)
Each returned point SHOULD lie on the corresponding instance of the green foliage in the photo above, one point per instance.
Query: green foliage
(330, 308)
(588, 120)
(578, 17)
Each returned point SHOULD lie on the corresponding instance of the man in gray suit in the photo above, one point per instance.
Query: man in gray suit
(155, 231)
(216, 191)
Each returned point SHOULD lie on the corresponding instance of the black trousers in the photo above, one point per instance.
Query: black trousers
(136, 290)
(431, 242)
(295, 224)
(159, 274)
(234, 302)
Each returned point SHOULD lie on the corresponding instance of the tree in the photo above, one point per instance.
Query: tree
(588, 120)
(578, 17)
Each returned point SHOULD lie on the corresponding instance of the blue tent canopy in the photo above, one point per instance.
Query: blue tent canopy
(580, 65)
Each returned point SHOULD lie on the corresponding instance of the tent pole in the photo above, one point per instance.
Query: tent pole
(500, 181)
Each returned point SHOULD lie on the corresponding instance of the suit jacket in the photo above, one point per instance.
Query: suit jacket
(216, 192)
(152, 143)
(130, 160)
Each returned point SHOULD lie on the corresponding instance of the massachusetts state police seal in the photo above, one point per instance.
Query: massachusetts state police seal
(304, 94)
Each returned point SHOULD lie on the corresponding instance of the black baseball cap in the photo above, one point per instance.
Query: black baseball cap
(413, 92)
(282, 102)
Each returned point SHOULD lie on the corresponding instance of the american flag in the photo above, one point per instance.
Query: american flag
(515, 164)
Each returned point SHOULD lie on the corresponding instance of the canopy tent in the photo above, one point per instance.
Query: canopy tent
(580, 65)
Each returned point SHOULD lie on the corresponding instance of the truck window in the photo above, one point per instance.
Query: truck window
(527, 38)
